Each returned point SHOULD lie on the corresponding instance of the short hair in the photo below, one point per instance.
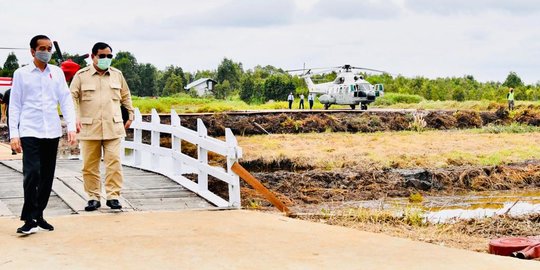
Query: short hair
(34, 40)
(100, 46)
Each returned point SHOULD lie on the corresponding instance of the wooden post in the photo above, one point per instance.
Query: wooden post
(252, 181)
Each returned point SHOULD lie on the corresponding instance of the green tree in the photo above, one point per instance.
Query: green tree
(513, 80)
(278, 87)
(127, 63)
(148, 75)
(222, 90)
(164, 76)
(11, 64)
(229, 71)
(173, 85)
(204, 74)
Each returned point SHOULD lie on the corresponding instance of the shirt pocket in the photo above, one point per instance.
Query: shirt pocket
(88, 91)
(115, 90)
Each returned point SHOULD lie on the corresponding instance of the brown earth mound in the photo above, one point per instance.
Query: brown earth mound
(353, 121)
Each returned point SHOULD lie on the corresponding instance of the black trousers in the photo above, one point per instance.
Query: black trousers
(310, 104)
(301, 105)
(39, 162)
(290, 104)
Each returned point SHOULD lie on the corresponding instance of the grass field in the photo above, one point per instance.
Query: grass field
(183, 103)
(406, 149)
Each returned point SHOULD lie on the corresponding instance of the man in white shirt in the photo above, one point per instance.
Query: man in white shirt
(290, 98)
(35, 127)
(301, 105)
(310, 99)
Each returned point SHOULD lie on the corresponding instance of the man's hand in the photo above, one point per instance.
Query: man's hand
(128, 124)
(72, 137)
(16, 145)
(3, 120)
(78, 125)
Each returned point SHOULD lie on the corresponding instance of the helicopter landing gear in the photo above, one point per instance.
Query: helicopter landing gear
(353, 106)
(363, 107)
(326, 106)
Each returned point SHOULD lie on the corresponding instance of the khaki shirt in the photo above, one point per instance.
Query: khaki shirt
(97, 99)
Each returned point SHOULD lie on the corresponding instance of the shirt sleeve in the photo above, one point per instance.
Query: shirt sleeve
(66, 104)
(15, 105)
(126, 98)
(75, 89)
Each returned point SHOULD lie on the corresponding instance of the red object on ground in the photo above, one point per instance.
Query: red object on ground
(70, 68)
(507, 245)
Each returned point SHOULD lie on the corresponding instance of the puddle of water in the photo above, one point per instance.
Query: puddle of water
(478, 205)
(449, 208)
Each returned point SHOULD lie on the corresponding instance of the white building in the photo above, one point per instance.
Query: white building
(203, 86)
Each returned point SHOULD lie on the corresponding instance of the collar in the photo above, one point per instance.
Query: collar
(94, 71)
(34, 67)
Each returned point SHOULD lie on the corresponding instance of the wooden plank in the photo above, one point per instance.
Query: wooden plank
(74, 200)
(4, 210)
(76, 184)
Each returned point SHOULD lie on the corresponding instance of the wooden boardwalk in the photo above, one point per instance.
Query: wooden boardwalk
(142, 191)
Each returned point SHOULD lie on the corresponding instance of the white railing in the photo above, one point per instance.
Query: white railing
(172, 163)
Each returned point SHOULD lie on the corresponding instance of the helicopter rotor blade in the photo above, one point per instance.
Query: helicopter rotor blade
(370, 69)
(12, 48)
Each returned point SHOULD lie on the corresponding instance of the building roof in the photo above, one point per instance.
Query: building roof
(197, 82)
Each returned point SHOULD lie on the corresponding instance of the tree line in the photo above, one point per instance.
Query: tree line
(264, 83)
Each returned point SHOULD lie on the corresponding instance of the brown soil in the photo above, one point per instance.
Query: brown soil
(353, 121)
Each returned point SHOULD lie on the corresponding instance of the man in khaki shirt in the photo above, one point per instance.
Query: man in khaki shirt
(98, 91)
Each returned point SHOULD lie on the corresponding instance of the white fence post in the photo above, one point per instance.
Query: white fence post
(137, 138)
(232, 157)
(176, 144)
(202, 156)
(155, 139)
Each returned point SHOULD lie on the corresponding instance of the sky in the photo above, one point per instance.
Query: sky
(429, 38)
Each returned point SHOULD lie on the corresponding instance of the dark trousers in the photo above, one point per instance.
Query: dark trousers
(310, 104)
(301, 105)
(39, 162)
(290, 104)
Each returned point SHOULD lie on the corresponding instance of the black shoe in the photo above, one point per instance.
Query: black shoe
(114, 204)
(44, 225)
(92, 205)
(29, 227)
(13, 152)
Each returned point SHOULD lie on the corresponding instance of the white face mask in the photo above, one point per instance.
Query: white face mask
(43, 56)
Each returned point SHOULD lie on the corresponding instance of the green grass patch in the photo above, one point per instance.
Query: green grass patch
(512, 128)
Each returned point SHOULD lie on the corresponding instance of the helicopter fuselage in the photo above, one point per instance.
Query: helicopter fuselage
(346, 89)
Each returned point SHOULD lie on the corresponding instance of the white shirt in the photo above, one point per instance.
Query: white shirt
(33, 105)
(302, 97)
(290, 97)
(310, 97)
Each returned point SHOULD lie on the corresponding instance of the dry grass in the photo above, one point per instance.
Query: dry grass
(393, 149)
(465, 234)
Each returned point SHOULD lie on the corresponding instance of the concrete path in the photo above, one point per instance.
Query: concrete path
(223, 240)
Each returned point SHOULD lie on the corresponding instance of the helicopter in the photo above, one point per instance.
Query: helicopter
(349, 88)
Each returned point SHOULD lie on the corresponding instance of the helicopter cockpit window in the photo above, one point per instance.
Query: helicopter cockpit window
(364, 87)
(339, 80)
